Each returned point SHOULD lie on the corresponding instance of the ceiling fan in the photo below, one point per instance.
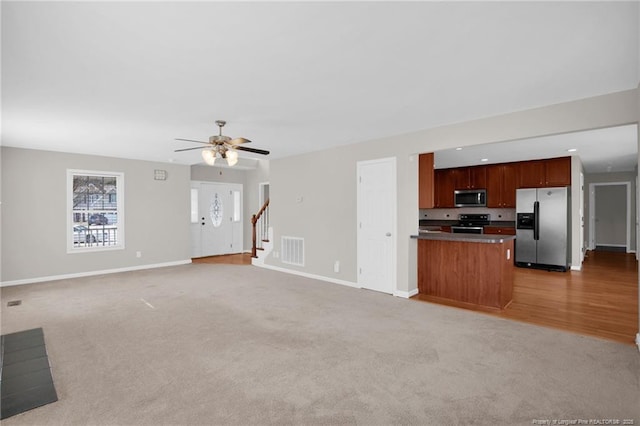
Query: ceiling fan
(222, 146)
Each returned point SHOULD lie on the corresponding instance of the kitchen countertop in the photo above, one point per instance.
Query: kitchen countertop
(431, 222)
(468, 238)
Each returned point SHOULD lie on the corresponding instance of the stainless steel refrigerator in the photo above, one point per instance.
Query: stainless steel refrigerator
(542, 228)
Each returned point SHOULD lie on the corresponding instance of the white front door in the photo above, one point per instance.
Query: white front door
(219, 226)
(377, 224)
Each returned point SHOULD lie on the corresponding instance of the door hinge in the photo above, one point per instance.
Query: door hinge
(361, 270)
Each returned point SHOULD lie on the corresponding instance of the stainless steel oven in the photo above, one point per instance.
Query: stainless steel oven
(467, 230)
(471, 223)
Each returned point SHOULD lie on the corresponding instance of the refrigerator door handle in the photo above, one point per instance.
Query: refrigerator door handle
(536, 220)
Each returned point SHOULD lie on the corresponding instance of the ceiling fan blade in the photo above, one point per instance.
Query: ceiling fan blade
(190, 140)
(188, 149)
(257, 151)
(238, 141)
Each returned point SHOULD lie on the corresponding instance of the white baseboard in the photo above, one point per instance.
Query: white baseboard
(308, 275)
(397, 293)
(91, 273)
(405, 294)
(638, 341)
(576, 268)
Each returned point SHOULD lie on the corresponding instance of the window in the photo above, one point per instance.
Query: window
(96, 204)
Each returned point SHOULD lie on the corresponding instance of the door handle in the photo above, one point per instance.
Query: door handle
(388, 234)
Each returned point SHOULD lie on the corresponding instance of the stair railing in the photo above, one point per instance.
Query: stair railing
(260, 231)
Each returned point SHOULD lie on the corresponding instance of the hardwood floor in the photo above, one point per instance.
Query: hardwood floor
(601, 300)
(229, 259)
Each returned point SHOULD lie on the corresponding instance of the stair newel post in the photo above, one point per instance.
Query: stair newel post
(254, 252)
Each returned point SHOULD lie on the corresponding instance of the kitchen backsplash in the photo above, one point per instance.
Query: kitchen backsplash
(452, 214)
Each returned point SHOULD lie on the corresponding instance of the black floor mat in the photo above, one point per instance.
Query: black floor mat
(25, 381)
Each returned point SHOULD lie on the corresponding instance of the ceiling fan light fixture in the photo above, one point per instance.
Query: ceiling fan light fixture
(209, 156)
(223, 146)
(232, 157)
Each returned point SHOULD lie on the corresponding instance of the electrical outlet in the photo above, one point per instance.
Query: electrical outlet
(336, 266)
(138, 254)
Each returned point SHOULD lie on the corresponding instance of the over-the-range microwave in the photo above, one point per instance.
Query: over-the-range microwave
(470, 197)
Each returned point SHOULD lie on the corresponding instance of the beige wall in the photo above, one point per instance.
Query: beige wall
(34, 215)
(325, 180)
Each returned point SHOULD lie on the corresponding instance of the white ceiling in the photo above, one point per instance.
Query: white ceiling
(124, 79)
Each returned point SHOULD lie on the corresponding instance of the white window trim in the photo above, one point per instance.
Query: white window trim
(120, 200)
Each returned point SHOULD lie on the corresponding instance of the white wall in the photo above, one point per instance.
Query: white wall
(34, 216)
(575, 225)
(325, 180)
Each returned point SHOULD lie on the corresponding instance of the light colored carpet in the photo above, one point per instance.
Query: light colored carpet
(226, 344)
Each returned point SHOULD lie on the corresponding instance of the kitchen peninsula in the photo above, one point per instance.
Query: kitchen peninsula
(466, 270)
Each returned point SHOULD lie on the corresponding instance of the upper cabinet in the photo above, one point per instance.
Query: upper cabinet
(470, 177)
(501, 185)
(425, 181)
(545, 173)
(501, 181)
(558, 171)
(445, 183)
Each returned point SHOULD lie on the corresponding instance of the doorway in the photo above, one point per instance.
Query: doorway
(218, 226)
(263, 193)
(609, 216)
(376, 229)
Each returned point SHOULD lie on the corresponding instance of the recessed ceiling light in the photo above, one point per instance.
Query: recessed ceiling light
(458, 149)
(484, 159)
(572, 149)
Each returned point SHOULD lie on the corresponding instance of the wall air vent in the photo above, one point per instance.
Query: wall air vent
(292, 251)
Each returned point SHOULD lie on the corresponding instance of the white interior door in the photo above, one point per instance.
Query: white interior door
(219, 219)
(377, 224)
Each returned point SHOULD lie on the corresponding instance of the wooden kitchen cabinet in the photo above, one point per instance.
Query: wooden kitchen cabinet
(470, 177)
(501, 185)
(444, 186)
(477, 275)
(478, 177)
(558, 171)
(531, 174)
(545, 173)
(502, 230)
(426, 178)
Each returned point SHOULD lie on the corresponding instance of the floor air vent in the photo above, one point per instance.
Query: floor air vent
(292, 251)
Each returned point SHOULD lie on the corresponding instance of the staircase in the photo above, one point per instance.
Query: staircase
(262, 235)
